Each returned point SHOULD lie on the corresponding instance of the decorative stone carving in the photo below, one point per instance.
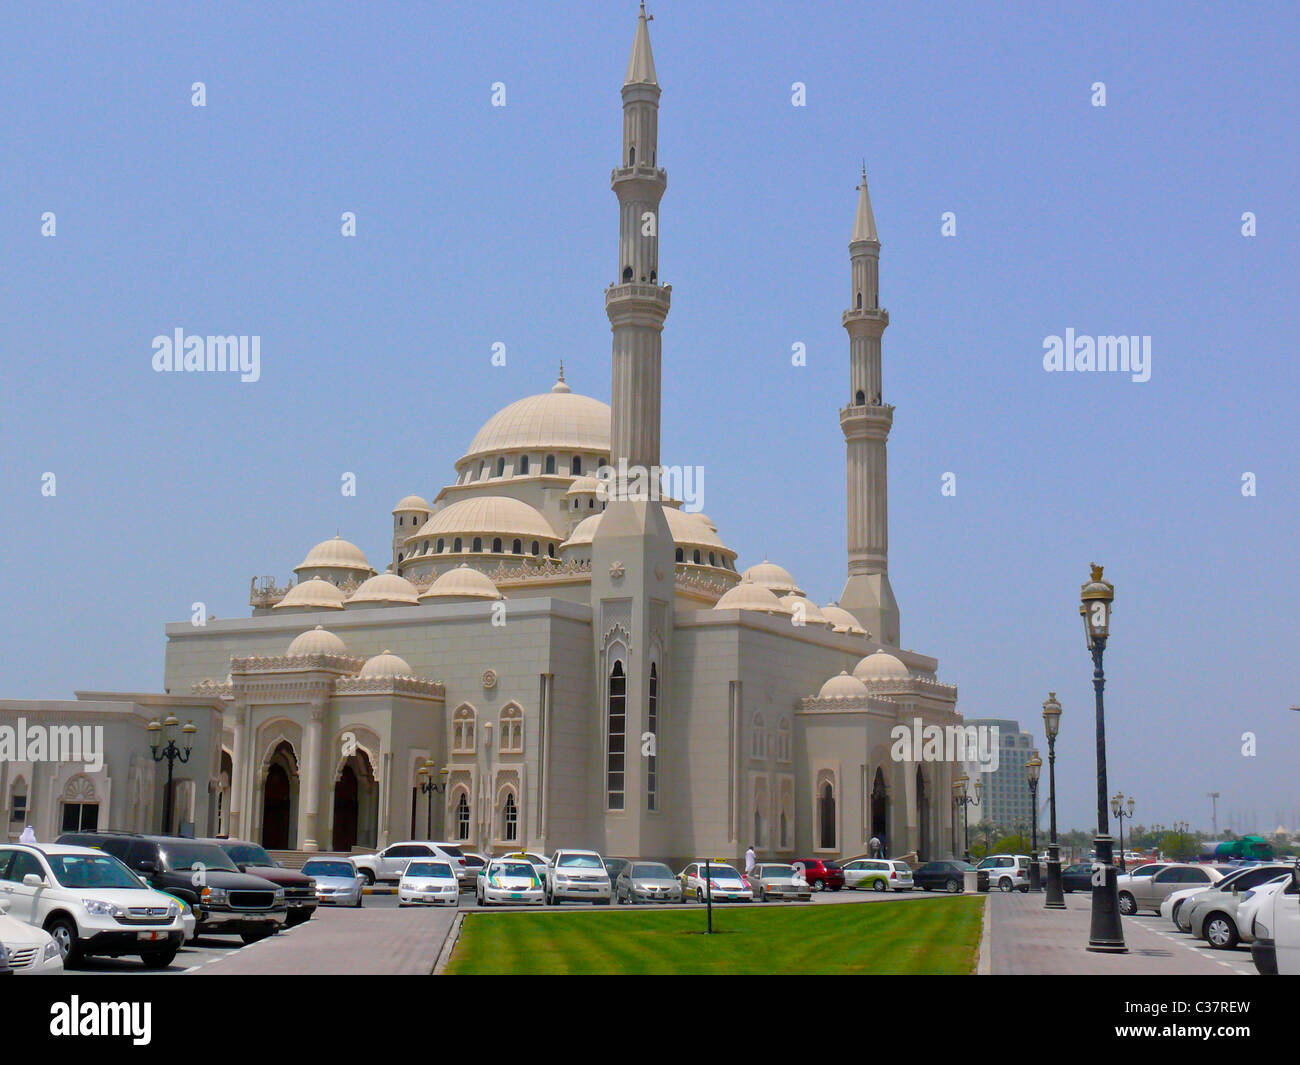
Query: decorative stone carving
(489, 679)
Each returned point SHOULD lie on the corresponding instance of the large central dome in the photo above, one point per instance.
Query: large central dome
(559, 420)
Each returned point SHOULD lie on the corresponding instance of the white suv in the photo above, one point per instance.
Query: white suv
(90, 903)
(577, 875)
(1007, 872)
(390, 863)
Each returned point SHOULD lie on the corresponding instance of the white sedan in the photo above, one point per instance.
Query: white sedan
(510, 881)
(1171, 905)
(427, 882)
(31, 950)
(727, 884)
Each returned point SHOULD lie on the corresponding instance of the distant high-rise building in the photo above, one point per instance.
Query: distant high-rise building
(1006, 800)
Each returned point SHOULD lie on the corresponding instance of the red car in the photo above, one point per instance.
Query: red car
(819, 874)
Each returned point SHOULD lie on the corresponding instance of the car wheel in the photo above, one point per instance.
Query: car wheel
(1174, 914)
(368, 877)
(952, 886)
(1005, 884)
(1221, 931)
(925, 887)
(879, 885)
(699, 894)
(818, 885)
(360, 901)
(159, 959)
(65, 935)
(1127, 904)
(295, 919)
(256, 937)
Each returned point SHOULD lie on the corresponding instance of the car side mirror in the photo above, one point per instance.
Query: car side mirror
(242, 866)
(33, 880)
(146, 866)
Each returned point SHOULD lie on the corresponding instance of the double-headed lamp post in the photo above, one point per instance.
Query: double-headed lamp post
(162, 742)
(430, 787)
(1106, 934)
(963, 798)
(1033, 768)
(1121, 808)
(1052, 725)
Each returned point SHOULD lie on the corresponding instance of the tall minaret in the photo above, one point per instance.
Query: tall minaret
(636, 303)
(633, 572)
(866, 422)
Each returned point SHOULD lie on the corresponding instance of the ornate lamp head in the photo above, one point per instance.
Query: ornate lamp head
(1097, 596)
(1052, 716)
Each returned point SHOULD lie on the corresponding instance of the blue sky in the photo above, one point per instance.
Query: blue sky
(479, 224)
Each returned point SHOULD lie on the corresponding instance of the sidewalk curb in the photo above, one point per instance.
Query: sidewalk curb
(984, 967)
(449, 944)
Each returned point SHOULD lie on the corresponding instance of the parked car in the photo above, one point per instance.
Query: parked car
(575, 874)
(474, 865)
(509, 880)
(615, 866)
(647, 882)
(1177, 906)
(1252, 902)
(1143, 870)
(945, 875)
(1276, 949)
(1076, 877)
(727, 885)
(820, 874)
(389, 864)
(225, 901)
(26, 950)
(337, 881)
(778, 880)
(1212, 914)
(1147, 892)
(1007, 872)
(299, 890)
(428, 881)
(878, 874)
(90, 903)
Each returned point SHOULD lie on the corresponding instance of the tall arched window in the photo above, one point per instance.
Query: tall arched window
(462, 816)
(577, 465)
(758, 737)
(462, 734)
(457, 545)
(517, 547)
(652, 727)
(441, 544)
(616, 733)
(512, 730)
(478, 544)
(501, 467)
(681, 556)
(550, 463)
(783, 745)
(523, 464)
(496, 544)
(631, 156)
(536, 547)
(826, 817)
(510, 819)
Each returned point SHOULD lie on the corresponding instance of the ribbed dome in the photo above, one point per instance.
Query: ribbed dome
(687, 531)
(881, 666)
(334, 554)
(843, 687)
(385, 588)
(488, 516)
(316, 642)
(559, 420)
(582, 485)
(462, 582)
(842, 621)
(750, 596)
(316, 593)
(386, 665)
(410, 503)
(811, 612)
(773, 577)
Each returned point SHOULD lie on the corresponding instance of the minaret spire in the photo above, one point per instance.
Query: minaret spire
(641, 67)
(866, 422)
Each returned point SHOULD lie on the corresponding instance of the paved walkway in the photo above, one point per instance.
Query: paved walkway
(346, 942)
(1026, 939)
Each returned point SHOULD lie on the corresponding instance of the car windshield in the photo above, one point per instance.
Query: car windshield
(435, 870)
(967, 867)
(651, 871)
(92, 871)
(987, 863)
(189, 857)
(516, 869)
(249, 854)
(579, 861)
(449, 850)
(777, 871)
(473, 861)
(724, 873)
(328, 869)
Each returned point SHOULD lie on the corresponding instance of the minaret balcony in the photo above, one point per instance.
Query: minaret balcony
(866, 314)
(869, 421)
(639, 182)
(634, 297)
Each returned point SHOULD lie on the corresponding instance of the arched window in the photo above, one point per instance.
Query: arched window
(826, 817)
(462, 735)
(536, 548)
(616, 733)
(576, 467)
(441, 544)
(510, 819)
(482, 470)
(512, 730)
(591, 503)
(496, 544)
(462, 816)
(627, 273)
(654, 275)
(501, 467)
(712, 559)
(783, 744)
(696, 555)
(517, 547)
(859, 301)
(550, 463)
(681, 555)
(80, 805)
(550, 550)
(399, 556)
(631, 156)
(478, 544)
(523, 464)
(758, 737)
(652, 727)
(456, 545)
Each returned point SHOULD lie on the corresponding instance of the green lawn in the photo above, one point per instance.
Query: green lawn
(939, 936)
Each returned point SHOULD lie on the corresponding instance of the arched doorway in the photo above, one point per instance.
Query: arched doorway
(346, 808)
(275, 809)
(879, 808)
(922, 817)
(356, 804)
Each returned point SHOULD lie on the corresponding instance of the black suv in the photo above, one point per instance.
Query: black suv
(224, 900)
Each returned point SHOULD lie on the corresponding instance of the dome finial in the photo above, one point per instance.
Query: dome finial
(560, 385)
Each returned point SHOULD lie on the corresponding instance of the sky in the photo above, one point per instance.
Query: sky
(479, 225)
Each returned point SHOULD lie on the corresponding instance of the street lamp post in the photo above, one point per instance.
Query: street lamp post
(162, 742)
(1121, 808)
(1052, 725)
(963, 799)
(1106, 934)
(1033, 768)
(431, 787)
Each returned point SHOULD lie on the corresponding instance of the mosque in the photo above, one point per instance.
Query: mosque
(544, 661)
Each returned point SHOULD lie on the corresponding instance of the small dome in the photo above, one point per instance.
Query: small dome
(316, 642)
(488, 516)
(800, 606)
(386, 664)
(772, 577)
(462, 582)
(750, 596)
(315, 594)
(881, 666)
(335, 554)
(410, 503)
(385, 588)
(845, 686)
(842, 621)
(583, 486)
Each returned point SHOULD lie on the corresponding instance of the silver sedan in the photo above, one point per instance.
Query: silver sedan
(337, 881)
(647, 882)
